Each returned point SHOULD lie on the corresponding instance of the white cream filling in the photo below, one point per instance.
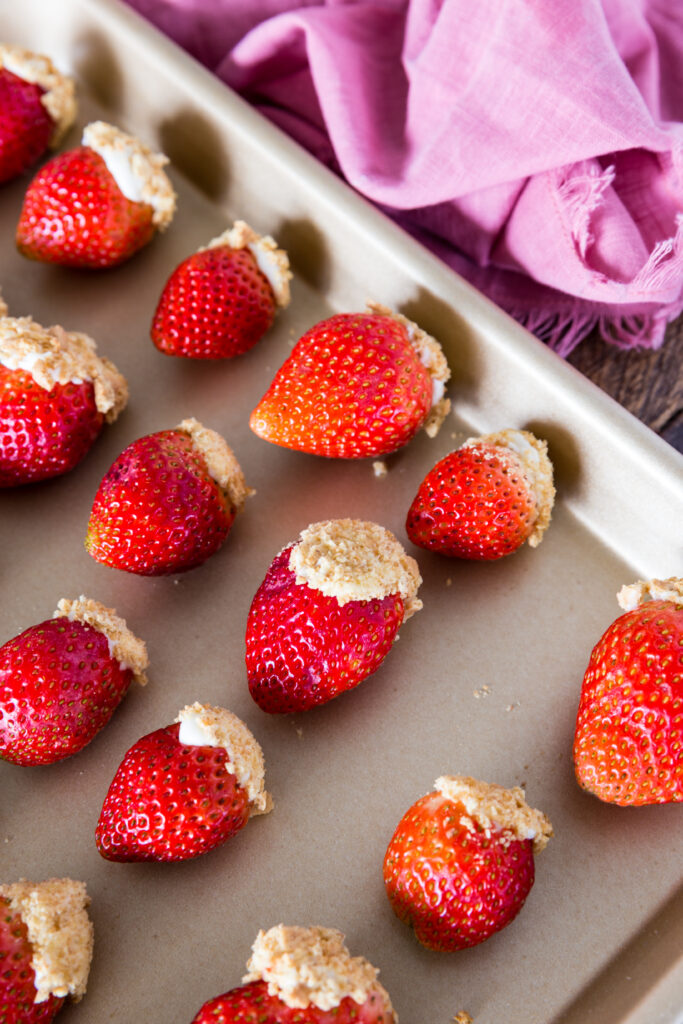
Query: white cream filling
(194, 732)
(119, 165)
(272, 270)
(27, 362)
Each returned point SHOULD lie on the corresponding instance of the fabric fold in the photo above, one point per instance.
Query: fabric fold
(537, 148)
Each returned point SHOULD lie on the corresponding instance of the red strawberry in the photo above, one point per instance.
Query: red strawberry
(356, 385)
(222, 299)
(96, 205)
(62, 680)
(167, 503)
(485, 499)
(327, 613)
(460, 863)
(46, 941)
(55, 394)
(37, 107)
(629, 727)
(303, 976)
(182, 790)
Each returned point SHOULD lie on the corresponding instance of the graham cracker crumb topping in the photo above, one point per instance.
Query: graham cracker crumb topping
(312, 966)
(129, 650)
(204, 725)
(494, 806)
(137, 169)
(55, 356)
(354, 560)
(633, 595)
(60, 933)
(59, 96)
(431, 355)
(529, 456)
(220, 461)
(272, 261)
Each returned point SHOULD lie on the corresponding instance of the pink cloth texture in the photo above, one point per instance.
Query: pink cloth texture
(535, 145)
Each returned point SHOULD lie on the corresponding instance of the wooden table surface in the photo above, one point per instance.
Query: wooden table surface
(648, 383)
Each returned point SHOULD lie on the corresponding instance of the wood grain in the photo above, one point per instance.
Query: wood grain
(648, 383)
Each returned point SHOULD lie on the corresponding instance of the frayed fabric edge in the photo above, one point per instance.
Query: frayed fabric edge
(563, 331)
(581, 196)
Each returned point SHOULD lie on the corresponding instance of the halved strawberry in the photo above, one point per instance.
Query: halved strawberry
(356, 385)
(167, 503)
(327, 614)
(486, 499)
(302, 976)
(62, 680)
(460, 863)
(37, 107)
(46, 941)
(222, 299)
(96, 205)
(628, 739)
(183, 790)
(55, 395)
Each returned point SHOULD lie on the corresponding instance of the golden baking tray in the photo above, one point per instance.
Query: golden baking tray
(484, 681)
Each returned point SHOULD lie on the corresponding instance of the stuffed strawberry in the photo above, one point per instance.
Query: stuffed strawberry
(302, 976)
(62, 680)
(222, 299)
(96, 205)
(327, 614)
(55, 395)
(461, 861)
(183, 790)
(167, 503)
(37, 107)
(46, 942)
(628, 741)
(356, 385)
(486, 499)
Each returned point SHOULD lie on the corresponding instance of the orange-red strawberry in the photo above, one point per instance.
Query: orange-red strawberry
(628, 742)
(461, 861)
(356, 385)
(222, 299)
(96, 205)
(184, 789)
(167, 503)
(302, 976)
(62, 680)
(37, 107)
(46, 941)
(327, 614)
(486, 499)
(55, 395)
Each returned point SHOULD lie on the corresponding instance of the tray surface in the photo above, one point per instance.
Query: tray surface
(483, 681)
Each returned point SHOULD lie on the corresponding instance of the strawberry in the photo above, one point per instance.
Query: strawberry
(302, 976)
(55, 395)
(183, 790)
(96, 205)
(327, 613)
(222, 299)
(629, 727)
(485, 499)
(62, 680)
(460, 863)
(37, 107)
(46, 941)
(356, 385)
(167, 503)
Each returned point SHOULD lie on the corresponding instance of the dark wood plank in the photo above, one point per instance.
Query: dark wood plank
(649, 383)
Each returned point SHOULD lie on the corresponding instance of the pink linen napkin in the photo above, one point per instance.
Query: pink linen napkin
(535, 145)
